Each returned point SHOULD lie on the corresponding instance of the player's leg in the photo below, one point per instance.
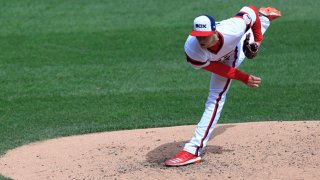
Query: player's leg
(219, 87)
(266, 15)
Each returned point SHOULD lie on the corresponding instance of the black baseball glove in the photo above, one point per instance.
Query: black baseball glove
(250, 50)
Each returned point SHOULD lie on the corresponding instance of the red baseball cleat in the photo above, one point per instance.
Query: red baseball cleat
(183, 158)
(270, 12)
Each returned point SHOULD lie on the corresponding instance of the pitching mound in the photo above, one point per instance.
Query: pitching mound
(264, 150)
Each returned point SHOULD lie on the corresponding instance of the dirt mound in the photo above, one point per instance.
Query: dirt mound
(263, 150)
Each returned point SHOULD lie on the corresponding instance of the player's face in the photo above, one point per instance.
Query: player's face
(205, 41)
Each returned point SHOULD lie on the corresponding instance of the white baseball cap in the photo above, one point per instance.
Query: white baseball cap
(203, 25)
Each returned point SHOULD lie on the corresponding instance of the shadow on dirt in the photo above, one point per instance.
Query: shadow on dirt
(168, 150)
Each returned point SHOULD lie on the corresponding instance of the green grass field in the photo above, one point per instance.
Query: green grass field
(75, 66)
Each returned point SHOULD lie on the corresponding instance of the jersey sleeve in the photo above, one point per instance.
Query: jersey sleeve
(250, 16)
(227, 71)
(195, 55)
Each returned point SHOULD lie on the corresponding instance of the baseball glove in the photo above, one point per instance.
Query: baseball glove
(250, 50)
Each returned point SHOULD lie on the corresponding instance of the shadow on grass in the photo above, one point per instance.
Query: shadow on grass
(168, 150)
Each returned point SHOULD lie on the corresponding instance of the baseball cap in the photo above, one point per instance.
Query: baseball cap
(203, 25)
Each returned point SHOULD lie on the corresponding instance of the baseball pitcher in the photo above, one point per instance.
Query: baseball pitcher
(220, 47)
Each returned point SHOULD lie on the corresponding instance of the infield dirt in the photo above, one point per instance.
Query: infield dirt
(261, 150)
